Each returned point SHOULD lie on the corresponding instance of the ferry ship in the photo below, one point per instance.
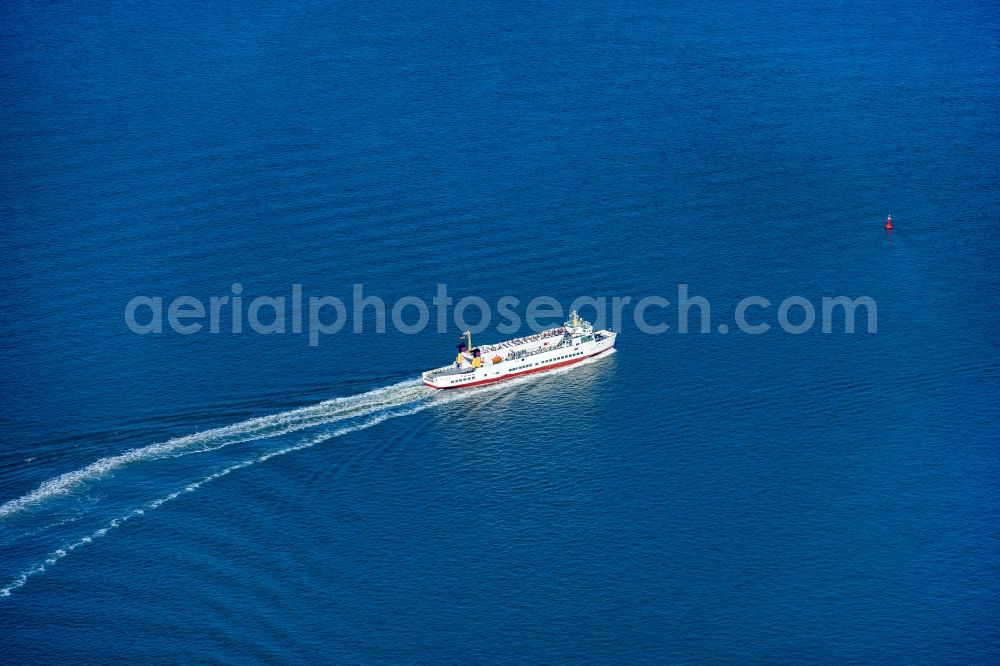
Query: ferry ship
(570, 343)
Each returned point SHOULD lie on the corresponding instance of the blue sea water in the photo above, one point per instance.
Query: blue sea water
(693, 498)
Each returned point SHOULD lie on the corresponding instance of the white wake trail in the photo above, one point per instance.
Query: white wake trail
(62, 552)
(324, 413)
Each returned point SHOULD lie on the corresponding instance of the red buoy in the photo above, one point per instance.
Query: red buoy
(888, 223)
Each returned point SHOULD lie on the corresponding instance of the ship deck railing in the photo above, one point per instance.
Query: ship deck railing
(450, 370)
(525, 353)
(514, 356)
(510, 344)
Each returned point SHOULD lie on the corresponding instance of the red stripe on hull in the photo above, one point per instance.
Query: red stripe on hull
(518, 374)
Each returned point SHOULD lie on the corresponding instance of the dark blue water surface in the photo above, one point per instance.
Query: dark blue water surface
(698, 498)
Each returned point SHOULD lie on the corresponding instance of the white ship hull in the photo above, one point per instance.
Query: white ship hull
(548, 350)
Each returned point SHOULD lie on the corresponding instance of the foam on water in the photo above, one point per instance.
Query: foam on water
(324, 413)
(402, 399)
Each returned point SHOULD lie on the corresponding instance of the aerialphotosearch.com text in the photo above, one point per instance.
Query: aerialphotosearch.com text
(318, 316)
